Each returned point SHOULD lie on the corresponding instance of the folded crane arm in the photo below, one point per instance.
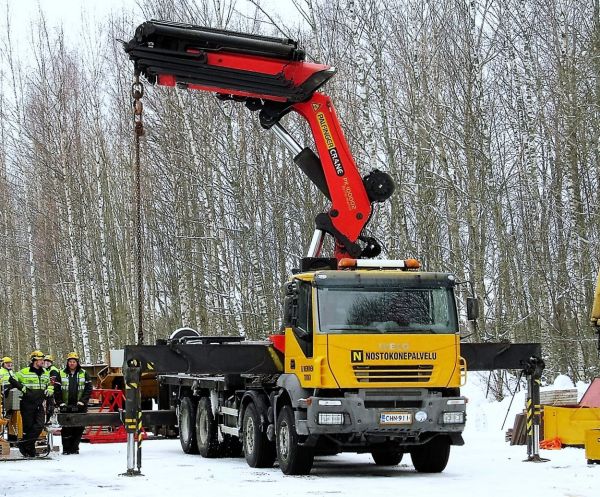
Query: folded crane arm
(271, 76)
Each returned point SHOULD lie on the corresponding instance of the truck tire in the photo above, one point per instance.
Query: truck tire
(258, 450)
(293, 458)
(187, 426)
(431, 457)
(207, 437)
(386, 457)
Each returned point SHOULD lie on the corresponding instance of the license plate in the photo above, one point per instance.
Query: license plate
(395, 418)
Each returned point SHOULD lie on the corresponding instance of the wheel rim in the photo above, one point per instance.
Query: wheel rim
(249, 435)
(284, 440)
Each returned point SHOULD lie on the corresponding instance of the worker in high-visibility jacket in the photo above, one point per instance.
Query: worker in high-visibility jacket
(34, 382)
(52, 369)
(54, 373)
(5, 372)
(76, 388)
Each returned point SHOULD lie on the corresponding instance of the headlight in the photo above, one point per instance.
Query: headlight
(331, 418)
(453, 418)
(323, 402)
(420, 416)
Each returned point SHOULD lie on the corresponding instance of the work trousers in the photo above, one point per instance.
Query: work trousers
(34, 416)
(71, 436)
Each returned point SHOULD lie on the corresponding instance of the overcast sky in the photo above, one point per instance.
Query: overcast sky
(72, 12)
(66, 12)
(76, 15)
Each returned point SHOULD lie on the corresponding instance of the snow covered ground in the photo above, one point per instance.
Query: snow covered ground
(486, 464)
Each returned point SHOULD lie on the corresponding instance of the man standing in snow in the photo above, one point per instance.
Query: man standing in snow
(52, 369)
(34, 382)
(54, 373)
(75, 390)
(5, 373)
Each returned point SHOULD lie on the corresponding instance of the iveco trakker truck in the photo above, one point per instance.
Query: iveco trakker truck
(369, 359)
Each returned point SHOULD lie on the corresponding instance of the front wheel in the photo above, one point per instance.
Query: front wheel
(431, 457)
(258, 449)
(187, 426)
(294, 459)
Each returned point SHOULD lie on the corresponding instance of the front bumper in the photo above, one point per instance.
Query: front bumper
(386, 413)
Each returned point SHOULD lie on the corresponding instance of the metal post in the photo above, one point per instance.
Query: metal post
(140, 436)
(133, 417)
(529, 417)
(533, 370)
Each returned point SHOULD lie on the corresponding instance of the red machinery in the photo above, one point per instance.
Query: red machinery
(271, 76)
(109, 400)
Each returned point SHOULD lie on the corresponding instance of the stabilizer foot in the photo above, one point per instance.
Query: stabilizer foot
(132, 472)
(536, 458)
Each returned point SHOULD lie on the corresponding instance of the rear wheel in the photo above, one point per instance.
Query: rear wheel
(293, 458)
(431, 457)
(187, 426)
(258, 450)
(206, 429)
(387, 457)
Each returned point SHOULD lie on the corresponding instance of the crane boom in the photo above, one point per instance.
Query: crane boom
(271, 76)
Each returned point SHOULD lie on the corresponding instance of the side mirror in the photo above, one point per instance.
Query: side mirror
(472, 308)
(290, 305)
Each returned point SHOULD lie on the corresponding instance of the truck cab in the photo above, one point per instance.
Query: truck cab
(372, 362)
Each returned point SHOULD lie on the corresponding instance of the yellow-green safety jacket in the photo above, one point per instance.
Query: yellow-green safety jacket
(4, 375)
(32, 385)
(53, 368)
(54, 373)
(84, 386)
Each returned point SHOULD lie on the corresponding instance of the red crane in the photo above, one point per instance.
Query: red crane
(271, 76)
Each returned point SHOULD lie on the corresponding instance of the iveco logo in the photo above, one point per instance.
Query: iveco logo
(356, 356)
(394, 346)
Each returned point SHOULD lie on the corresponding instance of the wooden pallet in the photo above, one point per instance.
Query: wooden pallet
(566, 397)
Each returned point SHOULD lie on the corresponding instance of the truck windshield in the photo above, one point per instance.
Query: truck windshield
(379, 310)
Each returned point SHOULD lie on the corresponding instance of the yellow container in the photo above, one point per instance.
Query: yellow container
(592, 446)
(4, 449)
(570, 424)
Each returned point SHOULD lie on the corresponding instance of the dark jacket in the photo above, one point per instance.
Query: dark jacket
(75, 387)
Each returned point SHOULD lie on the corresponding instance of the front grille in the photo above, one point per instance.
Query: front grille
(393, 404)
(420, 373)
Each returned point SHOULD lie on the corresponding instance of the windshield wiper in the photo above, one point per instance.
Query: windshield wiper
(353, 327)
